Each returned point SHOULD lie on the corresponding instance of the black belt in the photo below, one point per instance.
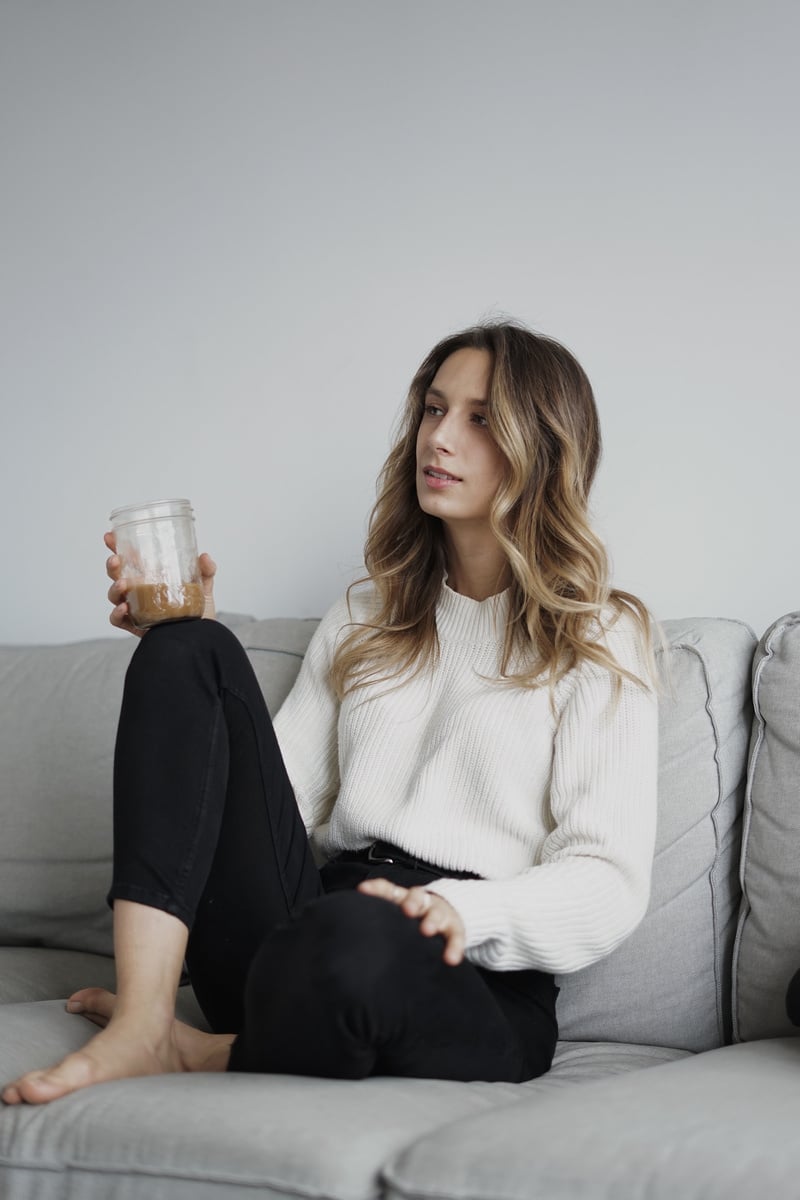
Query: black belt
(385, 852)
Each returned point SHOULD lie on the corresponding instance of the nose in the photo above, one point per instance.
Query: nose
(444, 435)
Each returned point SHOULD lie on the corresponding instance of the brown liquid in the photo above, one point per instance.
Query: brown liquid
(150, 603)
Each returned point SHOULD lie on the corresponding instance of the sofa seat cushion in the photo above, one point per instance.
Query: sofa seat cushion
(203, 1136)
(208, 1135)
(717, 1126)
(580, 1062)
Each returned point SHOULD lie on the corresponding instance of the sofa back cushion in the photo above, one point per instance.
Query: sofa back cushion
(58, 714)
(768, 940)
(275, 648)
(59, 707)
(669, 983)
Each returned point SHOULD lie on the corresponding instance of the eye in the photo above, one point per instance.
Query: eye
(480, 419)
(433, 410)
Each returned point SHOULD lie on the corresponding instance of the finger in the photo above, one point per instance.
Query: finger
(454, 950)
(436, 921)
(208, 568)
(417, 902)
(377, 887)
(448, 926)
(119, 616)
(110, 539)
(383, 888)
(118, 591)
(113, 566)
(120, 619)
(442, 919)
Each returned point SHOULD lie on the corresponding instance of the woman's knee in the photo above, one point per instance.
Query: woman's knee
(345, 944)
(187, 648)
(172, 636)
(376, 929)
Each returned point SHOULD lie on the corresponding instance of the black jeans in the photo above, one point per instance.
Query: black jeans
(314, 977)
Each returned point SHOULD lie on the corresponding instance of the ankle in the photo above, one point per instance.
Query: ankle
(151, 1022)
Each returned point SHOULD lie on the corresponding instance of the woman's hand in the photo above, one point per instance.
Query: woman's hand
(118, 592)
(435, 914)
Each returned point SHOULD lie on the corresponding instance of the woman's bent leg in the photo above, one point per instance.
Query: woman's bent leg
(352, 988)
(208, 836)
(206, 824)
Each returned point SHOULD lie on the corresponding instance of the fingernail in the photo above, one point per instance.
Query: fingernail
(74, 1006)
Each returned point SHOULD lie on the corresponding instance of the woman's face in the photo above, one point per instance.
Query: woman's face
(459, 467)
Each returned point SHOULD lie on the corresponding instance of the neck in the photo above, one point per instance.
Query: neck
(476, 566)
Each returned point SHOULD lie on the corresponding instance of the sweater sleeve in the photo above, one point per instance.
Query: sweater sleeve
(591, 885)
(307, 725)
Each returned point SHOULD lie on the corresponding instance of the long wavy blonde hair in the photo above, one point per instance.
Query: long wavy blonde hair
(543, 418)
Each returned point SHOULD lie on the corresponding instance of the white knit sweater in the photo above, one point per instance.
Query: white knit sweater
(554, 809)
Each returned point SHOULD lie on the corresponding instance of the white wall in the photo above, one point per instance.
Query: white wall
(232, 228)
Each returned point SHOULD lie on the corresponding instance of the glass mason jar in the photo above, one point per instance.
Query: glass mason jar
(156, 543)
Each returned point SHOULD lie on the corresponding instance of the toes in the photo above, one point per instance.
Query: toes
(93, 996)
(10, 1094)
(92, 1001)
(41, 1086)
(34, 1089)
(108, 1056)
(26, 1090)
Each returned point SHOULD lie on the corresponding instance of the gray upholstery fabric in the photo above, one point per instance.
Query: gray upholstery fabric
(59, 708)
(768, 942)
(276, 648)
(579, 1062)
(716, 1126)
(184, 1136)
(37, 973)
(669, 983)
(227, 1135)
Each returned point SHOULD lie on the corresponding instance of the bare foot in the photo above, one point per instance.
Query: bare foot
(124, 1048)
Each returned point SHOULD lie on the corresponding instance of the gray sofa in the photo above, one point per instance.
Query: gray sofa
(678, 1073)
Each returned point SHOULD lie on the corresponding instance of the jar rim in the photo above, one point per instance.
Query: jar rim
(124, 515)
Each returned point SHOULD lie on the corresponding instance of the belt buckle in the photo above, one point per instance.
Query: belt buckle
(375, 858)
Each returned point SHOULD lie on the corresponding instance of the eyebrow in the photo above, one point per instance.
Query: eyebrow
(432, 391)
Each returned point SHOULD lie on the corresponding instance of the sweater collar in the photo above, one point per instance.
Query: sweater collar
(461, 619)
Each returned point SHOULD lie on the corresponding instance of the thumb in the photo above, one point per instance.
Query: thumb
(208, 568)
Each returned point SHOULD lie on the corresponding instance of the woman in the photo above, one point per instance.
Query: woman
(473, 730)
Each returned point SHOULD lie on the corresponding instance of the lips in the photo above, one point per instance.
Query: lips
(436, 473)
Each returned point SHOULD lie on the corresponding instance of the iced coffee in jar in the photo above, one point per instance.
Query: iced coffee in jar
(158, 550)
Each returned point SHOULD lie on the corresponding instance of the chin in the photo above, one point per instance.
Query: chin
(432, 505)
